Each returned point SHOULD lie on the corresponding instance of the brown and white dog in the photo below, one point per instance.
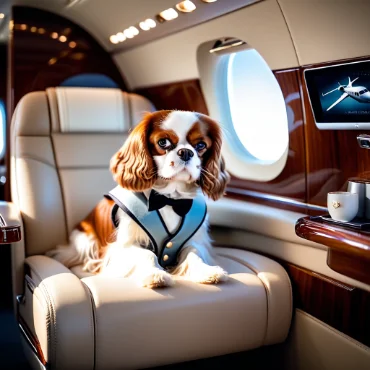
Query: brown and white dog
(178, 154)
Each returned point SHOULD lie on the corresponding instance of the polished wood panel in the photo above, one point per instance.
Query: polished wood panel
(48, 48)
(346, 264)
(10, 234)
(353, 242)
(339, 305)
(349, 250)
(184, 95)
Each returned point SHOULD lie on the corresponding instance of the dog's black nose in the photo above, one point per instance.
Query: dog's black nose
(185, 154)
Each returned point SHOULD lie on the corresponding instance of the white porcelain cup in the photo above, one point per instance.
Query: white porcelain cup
(343, 205)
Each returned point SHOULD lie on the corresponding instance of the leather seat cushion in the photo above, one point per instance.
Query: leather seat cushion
(140, 327)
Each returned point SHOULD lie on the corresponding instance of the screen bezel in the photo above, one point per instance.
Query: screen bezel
(315, 103)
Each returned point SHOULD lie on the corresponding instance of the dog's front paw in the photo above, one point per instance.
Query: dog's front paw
(208, 274)
(156, 278)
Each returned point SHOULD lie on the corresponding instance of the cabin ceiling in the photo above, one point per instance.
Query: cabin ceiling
(105, 18)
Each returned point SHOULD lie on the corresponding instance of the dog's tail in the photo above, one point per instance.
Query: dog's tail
(88, 241)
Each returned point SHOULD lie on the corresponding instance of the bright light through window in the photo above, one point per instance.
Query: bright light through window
(2, 128)
(257, 106)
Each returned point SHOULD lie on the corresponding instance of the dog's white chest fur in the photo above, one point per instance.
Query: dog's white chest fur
(171, 219)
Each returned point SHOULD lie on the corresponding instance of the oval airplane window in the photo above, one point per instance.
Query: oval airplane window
(257, 106)
(243, 94)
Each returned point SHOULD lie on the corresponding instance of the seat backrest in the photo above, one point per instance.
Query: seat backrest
(62, 140)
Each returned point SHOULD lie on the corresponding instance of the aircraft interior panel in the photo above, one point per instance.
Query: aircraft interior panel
(80, 78)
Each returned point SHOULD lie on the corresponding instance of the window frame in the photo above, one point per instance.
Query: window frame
(213, 68)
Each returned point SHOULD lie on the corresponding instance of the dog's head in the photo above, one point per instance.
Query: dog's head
(172, 146)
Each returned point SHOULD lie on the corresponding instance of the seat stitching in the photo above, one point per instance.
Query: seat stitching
(35, 296)
(52, 316)
(53, 320)
(94, 325)
(37, 160)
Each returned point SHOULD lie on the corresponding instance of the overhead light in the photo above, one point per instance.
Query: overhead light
(128, 33)
(114, 39)
(62, 38)
(121, 37)
(23, 27)
(186, 6)
(72, 44)
(144, 26)
(134, 30)
(209, 1)
(147, 24)
(41, 31)
(54, 35)
(33, 29)
(2, 15)
(169, 14)
(150, 22)
(52, 61)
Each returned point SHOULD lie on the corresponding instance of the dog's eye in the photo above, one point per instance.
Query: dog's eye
(200, 146)
(164, 143)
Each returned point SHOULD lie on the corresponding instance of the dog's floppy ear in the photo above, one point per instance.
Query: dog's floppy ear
(132, 166)
(214, 177)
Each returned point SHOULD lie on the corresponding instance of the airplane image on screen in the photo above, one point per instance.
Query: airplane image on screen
(359, 93)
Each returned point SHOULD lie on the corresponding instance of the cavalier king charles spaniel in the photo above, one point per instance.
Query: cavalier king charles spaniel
(169, 157)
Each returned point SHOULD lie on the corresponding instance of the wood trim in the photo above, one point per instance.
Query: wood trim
(10, 234)
(349, 251)
(355, 267)
(339, 305)
(354, 243)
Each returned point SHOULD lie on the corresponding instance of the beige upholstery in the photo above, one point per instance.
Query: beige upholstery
(59, 172)
(71, 162)
(313, 344)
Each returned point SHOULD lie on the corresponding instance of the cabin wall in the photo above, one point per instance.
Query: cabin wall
(286, 33)
(290, 36)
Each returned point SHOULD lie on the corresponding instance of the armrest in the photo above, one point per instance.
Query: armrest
(12, 233)
(10, 223)
(56, 312)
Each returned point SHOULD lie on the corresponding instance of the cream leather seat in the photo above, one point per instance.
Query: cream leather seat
(62, 141)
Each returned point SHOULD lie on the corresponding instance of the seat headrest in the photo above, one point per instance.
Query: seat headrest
(75, 109)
